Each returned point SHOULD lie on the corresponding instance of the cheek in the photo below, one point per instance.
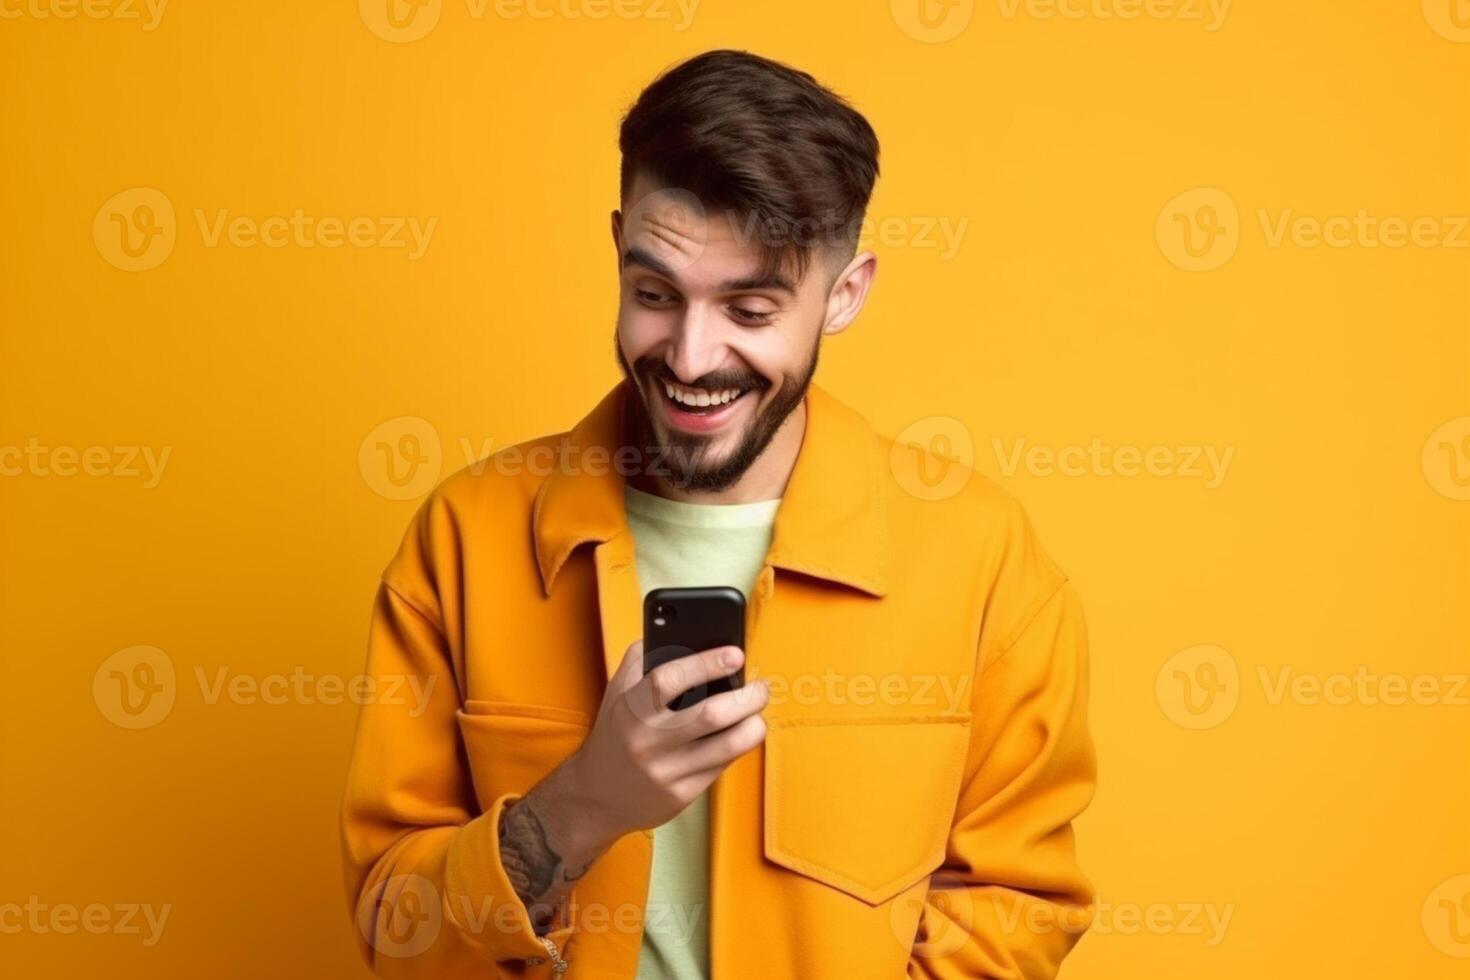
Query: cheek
(641, 330)
(773, 355)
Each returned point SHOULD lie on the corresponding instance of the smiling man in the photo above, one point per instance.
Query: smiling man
(891, 793)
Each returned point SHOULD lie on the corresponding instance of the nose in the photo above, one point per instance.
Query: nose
(698, 346)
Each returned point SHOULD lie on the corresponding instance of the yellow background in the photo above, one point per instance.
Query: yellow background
(1332, 835)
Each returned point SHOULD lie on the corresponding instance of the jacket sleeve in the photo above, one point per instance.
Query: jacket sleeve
(428, 894)
(1011, 900)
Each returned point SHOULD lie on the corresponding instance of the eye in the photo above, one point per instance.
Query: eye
(751, 317)
(650, 298)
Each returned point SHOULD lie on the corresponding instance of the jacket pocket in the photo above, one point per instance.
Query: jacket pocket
(510, 747)
(863, 804)
(519, 709)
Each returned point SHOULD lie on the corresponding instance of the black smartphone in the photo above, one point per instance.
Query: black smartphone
(680, 622)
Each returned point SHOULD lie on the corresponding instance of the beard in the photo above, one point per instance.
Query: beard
(695, 466)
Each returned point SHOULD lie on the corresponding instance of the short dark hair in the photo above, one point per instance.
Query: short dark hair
(743, 133)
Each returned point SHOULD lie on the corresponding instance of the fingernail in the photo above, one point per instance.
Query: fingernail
(731, 658)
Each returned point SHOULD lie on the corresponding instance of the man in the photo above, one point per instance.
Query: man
(891, 793)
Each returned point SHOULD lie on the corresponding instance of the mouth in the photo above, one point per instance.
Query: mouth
(699, 409)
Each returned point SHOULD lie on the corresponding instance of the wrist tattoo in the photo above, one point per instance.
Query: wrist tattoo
(534, 867)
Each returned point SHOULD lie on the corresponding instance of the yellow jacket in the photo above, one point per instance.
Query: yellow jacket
(909, 813)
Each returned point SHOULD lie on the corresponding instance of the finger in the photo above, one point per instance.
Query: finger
(694, 783)
(720, 711)
(668, 681)
(718, 750)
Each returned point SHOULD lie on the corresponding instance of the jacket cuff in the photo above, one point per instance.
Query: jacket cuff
(482, 903)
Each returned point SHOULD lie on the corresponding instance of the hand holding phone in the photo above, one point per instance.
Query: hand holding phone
(685, 621)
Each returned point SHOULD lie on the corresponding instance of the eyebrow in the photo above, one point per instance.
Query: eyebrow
(640, 256)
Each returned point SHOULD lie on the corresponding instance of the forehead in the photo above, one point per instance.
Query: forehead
(670, 230)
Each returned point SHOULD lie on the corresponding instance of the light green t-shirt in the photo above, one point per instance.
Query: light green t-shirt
(682, 545)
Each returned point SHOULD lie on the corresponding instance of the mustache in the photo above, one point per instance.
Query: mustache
(714, 381)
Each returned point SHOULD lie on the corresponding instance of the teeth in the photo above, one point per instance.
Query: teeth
(699, 398)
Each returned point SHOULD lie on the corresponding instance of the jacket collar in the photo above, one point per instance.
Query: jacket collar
(831, 523)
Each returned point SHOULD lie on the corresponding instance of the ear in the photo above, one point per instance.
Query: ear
(849, 292)
(617, 235)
